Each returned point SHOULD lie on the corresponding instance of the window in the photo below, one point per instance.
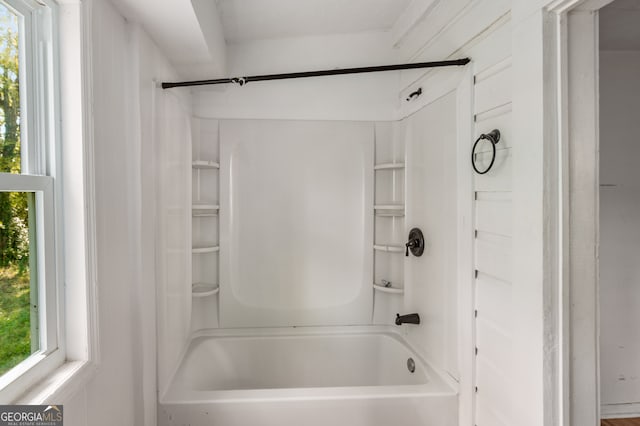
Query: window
(31, 344)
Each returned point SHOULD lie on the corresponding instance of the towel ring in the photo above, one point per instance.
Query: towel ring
(493, 137)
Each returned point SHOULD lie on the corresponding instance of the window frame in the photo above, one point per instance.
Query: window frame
(39, 156)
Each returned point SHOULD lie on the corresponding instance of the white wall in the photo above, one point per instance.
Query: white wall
(431, 205)
(295, 204)
(619, 230)
(370, 97)
(150, 67)
(124, 62)
(116, 224)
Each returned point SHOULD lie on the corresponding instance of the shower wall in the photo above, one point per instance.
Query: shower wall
(432, 205)
(499, 318)
(295, 223)
(424, 179)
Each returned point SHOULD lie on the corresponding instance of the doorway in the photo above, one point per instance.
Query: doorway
(599, 284)
(619, 205)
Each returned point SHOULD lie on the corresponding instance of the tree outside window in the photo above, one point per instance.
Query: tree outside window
(16, 299)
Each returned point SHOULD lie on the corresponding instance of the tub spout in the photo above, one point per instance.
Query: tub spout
(407, 319)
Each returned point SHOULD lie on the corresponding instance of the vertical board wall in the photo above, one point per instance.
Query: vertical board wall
(493, 240)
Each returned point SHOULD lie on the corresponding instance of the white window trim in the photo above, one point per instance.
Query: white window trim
(38, 132)
(74, 187)
(52, 353)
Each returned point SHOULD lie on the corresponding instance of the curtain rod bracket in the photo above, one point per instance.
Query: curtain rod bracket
(240, 81)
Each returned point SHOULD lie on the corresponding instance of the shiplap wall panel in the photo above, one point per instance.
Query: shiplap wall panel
(493, 382)
(485, 415)
(494, 46)
(493, 301)
(493, 256)
(492, 340)
(494, 216)
(501, 122)
(499, 178)
(494, 89)
(493, 231)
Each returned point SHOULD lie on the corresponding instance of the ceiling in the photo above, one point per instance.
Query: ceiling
(195, 34)
(245, 20)
(620, 25)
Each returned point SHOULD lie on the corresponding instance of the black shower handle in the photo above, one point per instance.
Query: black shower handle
(415, 243)
(411, 244)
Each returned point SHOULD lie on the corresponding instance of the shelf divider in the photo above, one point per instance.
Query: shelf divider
(204, 164)
(389, 166)
(390, 248)
(390, 290)
(200, 207)
(204, 289)
(205, 249)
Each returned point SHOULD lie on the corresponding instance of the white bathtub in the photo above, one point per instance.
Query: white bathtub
(354, 376)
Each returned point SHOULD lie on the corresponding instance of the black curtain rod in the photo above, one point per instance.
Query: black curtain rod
(243, 80)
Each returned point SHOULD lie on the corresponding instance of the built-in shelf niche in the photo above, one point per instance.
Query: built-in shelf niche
(205, 213)
(389, 214)
(197, 214)
(389, 210)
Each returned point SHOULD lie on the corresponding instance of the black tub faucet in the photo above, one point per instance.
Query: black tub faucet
(407, 319)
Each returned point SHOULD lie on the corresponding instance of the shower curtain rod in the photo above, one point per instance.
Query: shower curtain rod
(243, 80)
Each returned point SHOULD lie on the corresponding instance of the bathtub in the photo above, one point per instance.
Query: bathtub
(355, 376)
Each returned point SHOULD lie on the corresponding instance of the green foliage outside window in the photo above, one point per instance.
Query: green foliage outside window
(15, 286)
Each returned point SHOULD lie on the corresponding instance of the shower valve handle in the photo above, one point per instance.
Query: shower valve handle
(411, 244)
(415, 243)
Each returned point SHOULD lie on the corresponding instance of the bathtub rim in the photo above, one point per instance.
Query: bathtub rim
(438, 383)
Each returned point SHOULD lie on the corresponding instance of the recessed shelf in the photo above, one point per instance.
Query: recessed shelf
(204, 289)
(389, 210)
(201, 214)
(203, 164)
(206, 249)
(390, 290)
(389, 166)
(389, 206)
(389, 248)
(200, 207)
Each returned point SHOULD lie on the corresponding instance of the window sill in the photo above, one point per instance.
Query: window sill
(60, 385)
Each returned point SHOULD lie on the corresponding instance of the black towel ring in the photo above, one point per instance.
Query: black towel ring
(493, 137)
